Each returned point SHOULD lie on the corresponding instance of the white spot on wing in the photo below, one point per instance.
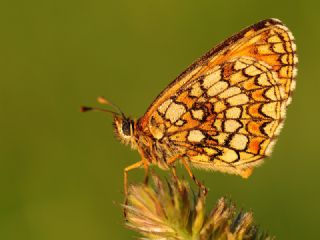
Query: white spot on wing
(270, 109)
(277, 131)
(238, 99)
(293, 85)
(294, 47)
(231, 125)
(175, 111)
(198, 114)
(263, 80)
(233, 112)
(270, 148)
(195, 136)
(290, 35)
(179, 123)
(230, 92)
(283, 110)
(276, 20)
(295, 71)
(252, 70)
(196, 91)
(217, 88)
(239, 65)
(164, 106)
(239, 142)
(228, 155)
(212, 78)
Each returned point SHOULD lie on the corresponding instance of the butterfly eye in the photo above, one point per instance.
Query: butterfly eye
(126, 127)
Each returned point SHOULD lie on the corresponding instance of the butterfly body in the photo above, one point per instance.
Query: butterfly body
(225, 111)
(152, 151)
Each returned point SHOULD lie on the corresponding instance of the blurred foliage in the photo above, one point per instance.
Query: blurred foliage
(170, 210)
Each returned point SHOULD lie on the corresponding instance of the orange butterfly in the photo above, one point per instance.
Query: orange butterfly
(224, 112)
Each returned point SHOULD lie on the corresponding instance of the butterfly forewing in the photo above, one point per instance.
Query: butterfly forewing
(226, 110)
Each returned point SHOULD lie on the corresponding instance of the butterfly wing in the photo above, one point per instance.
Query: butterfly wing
(226, 110)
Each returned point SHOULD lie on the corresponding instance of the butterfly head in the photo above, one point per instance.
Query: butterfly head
(124, 129)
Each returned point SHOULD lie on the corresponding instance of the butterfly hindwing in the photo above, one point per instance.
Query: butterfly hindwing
(226, 110)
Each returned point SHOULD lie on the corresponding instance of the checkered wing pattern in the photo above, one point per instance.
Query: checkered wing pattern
(226, 110)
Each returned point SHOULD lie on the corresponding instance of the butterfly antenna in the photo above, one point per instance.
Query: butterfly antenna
(103, 100)
(87, 109)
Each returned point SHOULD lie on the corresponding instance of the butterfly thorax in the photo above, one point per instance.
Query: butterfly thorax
(154, 151)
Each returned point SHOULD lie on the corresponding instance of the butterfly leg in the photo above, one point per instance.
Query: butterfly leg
(199, 184)
(126, 170)
(171, 162)
(173, 159)
(175, 176)
(185, 164)
(146, 173)
(174, 172)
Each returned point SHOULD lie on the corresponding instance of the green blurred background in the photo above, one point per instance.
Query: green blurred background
(61, 171)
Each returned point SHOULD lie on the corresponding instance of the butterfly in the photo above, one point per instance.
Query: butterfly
(224, 112)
